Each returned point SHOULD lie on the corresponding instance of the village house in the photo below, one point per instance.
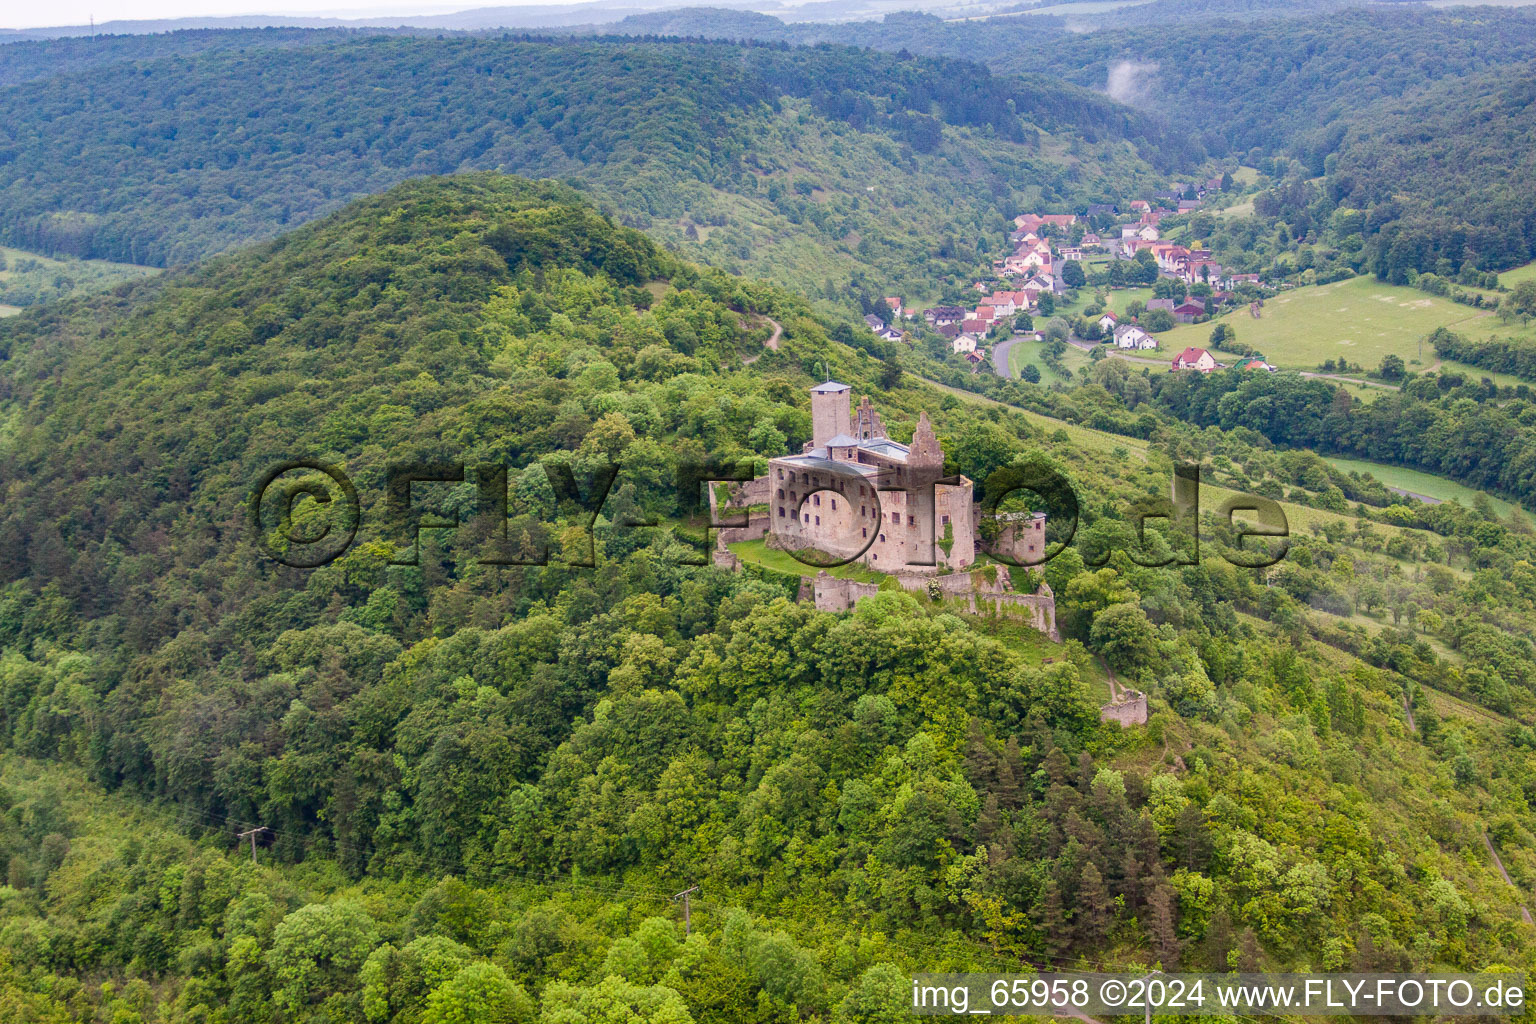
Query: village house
(1103, 210)
(1002, 304)
(964, 342)
(874, 323)
(1253, 362)
(1164, 304)
(1194, 359)
(889, 334)
(1034, 222)
(1108, 320)
(1133, 336)
(1092, 241)
(1188, 311)
(974, 326)
(1198, 270)
(1071, 252)
(986, 314)
(938, 316)
(894, 301)
(844, 494)
(1145, 232)
(1231, 281)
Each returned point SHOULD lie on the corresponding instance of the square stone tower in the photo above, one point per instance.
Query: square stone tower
(831, 413)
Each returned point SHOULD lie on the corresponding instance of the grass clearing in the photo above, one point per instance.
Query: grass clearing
(1510, 278)
(9, 310)
(1361, 320)
(1427, 484)
(28, 278)
(758, 552)
(1032, 353)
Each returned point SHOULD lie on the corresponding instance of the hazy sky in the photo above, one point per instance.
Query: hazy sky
(19, 14)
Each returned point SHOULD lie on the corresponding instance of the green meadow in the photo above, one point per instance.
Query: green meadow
(1427, 484)
(1510, 278)
(1032, 353)
(1361, 320)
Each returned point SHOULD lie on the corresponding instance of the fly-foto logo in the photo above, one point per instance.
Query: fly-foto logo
(306, 513)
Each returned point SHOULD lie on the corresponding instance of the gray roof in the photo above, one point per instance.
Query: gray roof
(830, 387)
(843, 441)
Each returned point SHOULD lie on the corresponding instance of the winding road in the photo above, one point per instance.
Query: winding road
(1000, 357)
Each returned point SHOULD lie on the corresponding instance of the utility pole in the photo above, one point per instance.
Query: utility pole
(1149, 1001)
(252, 834)
(687, 915)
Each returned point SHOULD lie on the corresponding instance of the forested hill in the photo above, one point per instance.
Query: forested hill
(29, 60)
(810, 166)
(1395, 95)
(1273, 84)
(1446, 171)
(484, 781)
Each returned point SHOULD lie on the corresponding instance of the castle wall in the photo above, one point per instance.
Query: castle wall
(983, 592)
(1022, 543)
(1128, 709)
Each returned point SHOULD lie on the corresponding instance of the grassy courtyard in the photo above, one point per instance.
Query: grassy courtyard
(757, 552)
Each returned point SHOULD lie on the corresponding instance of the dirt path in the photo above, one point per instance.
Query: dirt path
(772, 342)
(1352, 380)
(1408, 710)
(1426, 499)
(1526, 914)
(1114, 684)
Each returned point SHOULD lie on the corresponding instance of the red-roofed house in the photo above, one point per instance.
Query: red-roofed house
(1002, 303)
(1189, 310)
(1194, 359)
(974, 327)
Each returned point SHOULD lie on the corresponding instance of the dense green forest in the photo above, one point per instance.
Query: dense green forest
(485, 781)
(488, 753)
(822, 168)
(812, 167)
(1398, 107)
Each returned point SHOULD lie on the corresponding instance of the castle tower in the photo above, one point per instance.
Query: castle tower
(925, 450)
(868, 423)
(831, 412)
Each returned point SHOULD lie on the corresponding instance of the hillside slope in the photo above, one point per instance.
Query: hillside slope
(821, 165)
(483, 782)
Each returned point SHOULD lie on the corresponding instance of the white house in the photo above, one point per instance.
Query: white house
(1108, 321)
(964, 343)
(1133, 337)
(1194, 359)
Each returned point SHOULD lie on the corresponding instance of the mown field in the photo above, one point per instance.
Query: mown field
(1361, 320)
(1510, 278)
(1426, 484)
(1032, 353)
